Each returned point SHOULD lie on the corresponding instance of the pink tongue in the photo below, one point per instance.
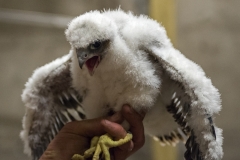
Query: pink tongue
(91, 63)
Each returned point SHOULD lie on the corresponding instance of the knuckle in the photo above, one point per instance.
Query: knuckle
(68, 126)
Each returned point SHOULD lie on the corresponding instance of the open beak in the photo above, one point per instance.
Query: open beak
(91, 60)
(92, 63)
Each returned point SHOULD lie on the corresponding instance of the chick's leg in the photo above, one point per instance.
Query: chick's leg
(102, 145)
(88, 153)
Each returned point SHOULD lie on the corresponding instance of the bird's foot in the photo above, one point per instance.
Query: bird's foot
(102, 145)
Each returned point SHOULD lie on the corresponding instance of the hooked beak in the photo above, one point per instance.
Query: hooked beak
(81, 62)
(91, 60)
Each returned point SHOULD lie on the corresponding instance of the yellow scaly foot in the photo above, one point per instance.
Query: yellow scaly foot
(100, 145)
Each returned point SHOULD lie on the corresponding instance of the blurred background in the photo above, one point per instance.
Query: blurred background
(207, 32)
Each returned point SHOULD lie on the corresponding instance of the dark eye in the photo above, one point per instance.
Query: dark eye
(95, 45)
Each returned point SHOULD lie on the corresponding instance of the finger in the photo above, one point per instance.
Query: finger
(119, 154)
(127, 147)
(118, 132)
(136, 126)
(91, 127)
(117, 117)
(87, 128)
(114, 129)
(128, 112)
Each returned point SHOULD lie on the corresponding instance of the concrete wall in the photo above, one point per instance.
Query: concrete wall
(208, 33)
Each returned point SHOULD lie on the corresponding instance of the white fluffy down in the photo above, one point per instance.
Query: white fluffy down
(127, 75)
(79, 27)
(128, 60)
(29, 99)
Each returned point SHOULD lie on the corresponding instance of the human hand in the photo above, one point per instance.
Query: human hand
(75, 136)
(136, 128)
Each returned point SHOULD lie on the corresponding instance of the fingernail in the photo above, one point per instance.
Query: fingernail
(131, 146)
(106, 122)
(130, 149)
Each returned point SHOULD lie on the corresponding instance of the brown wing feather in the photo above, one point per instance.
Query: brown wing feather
(51, 102)
(179, 98)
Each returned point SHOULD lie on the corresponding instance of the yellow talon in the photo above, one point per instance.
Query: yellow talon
(77, 157)
(100, 145)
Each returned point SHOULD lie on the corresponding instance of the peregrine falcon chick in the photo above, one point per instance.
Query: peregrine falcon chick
(117, 58)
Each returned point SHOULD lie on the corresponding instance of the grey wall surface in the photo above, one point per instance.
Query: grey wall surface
(208, 33)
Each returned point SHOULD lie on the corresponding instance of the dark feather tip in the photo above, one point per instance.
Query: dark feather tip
(212, 127)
